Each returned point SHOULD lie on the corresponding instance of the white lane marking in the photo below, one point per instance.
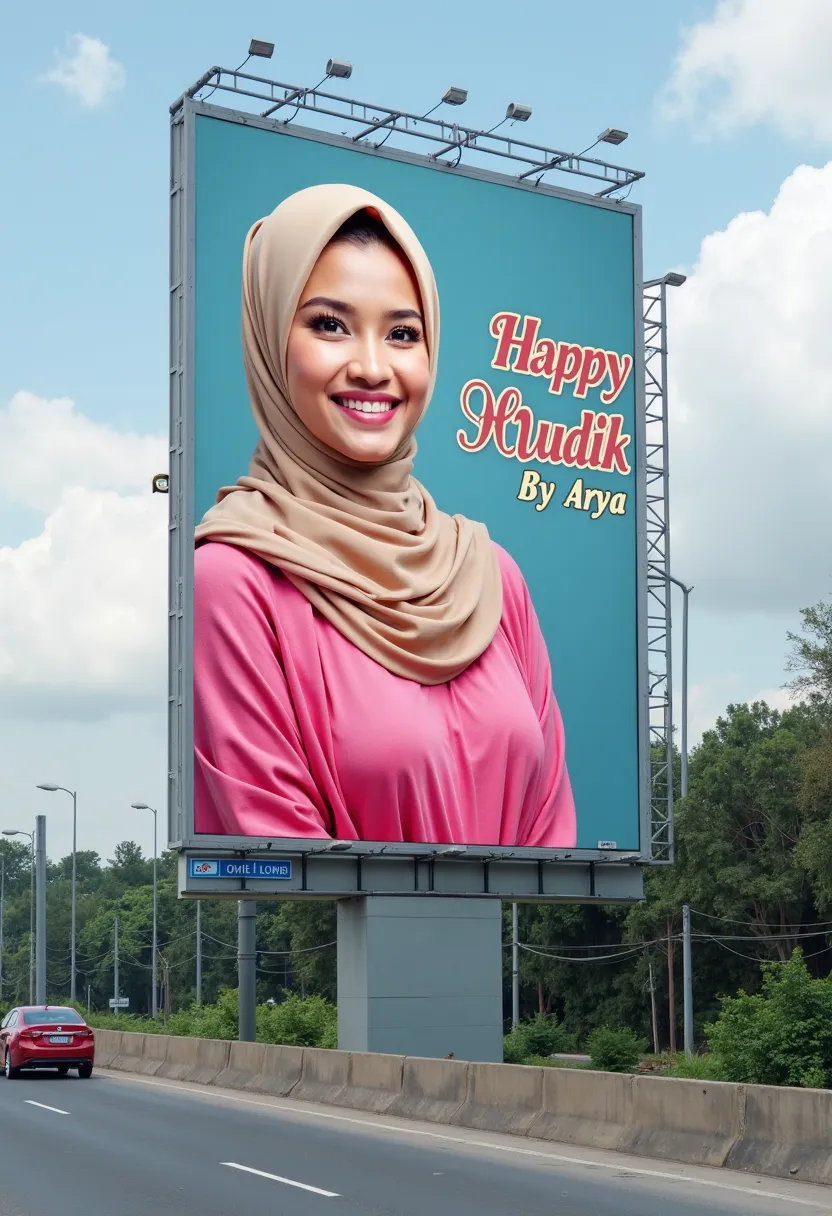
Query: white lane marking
(43, 1106)
(402, 1129)
(302, 1186)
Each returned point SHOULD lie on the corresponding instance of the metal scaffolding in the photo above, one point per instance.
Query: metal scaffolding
(660, 687)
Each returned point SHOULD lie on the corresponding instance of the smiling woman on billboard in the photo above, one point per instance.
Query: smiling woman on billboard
(366, 667)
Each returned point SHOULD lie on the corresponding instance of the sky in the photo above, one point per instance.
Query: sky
(728, 106)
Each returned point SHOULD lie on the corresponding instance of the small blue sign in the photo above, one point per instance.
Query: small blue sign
(225, 867)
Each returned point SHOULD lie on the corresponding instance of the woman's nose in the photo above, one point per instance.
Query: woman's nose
(370, 363)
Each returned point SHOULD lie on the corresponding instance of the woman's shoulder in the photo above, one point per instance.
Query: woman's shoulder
(514, 585)
(228, 573)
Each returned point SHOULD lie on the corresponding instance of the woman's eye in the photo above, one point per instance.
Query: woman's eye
(327, 325)
(405, 333)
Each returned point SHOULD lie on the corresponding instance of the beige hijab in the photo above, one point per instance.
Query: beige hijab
(415, 589)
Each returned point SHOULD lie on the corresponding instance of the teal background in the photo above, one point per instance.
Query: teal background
(493, 248)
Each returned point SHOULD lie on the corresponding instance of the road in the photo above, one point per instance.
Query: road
(125, 1146)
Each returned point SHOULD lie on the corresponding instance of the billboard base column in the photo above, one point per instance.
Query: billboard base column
(421, 976)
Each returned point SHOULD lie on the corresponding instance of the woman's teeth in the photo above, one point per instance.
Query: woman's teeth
(366, 407)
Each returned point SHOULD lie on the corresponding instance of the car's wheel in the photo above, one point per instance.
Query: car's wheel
(63, 1069)
(84, 1071)
(11, 1073)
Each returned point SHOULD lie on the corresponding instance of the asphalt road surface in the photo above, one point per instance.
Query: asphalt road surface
(126, 1146)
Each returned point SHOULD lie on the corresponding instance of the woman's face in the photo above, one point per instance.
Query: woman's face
(357, 360)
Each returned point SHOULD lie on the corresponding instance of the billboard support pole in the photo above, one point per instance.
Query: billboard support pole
(421, 975)
(246, 971)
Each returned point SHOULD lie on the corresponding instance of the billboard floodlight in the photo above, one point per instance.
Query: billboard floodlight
(673, 279)
(455, 97)
(612, 135)
(518, 112)
(339, 846)
(263, 50)
(341, 68)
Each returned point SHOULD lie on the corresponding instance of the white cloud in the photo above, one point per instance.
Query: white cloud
(89, 72)
(82, 631)
(751, 407)
(757, 61)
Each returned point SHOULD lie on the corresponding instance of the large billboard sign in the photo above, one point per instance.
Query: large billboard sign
(535, 428)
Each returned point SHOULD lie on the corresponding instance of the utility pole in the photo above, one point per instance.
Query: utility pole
(40, 910)
(246, 969)
(199, 952)
(515, 969)
(115, 967)
(671, 985)
(652, 989)
(687, 970)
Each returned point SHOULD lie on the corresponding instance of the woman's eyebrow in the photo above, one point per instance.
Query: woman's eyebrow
(327, 302)
(404, 314)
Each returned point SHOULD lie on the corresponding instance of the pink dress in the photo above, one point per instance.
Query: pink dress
(299, 734)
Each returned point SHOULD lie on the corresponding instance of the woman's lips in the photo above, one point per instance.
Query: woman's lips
(371, 409)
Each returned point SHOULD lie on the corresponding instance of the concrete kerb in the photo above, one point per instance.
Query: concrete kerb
(433, 1090)
(323, 1076)
(279, 1072)
(375, 1082)
(502, 1098)
(592, 1109)
(697, 1122)
(787, 1133)
(107, 1047)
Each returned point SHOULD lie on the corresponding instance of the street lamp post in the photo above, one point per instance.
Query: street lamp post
(31, 835)
(685, 592)
(142, 806)
(53, 789)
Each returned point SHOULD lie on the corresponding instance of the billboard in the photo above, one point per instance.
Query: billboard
(535, 428)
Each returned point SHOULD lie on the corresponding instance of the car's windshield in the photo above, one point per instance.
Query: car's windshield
(51, 1017)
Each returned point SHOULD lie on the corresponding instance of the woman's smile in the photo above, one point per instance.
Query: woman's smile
(363, 408)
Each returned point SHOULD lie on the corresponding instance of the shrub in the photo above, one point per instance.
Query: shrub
(697, 1068)
(615, 1050)
(781, 1036)
(300, 1022)
(540, 1036)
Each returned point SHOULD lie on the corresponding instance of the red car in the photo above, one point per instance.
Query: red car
(46, 1036)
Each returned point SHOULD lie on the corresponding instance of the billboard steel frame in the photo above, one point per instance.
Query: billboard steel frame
(654, 693)
(536, 158)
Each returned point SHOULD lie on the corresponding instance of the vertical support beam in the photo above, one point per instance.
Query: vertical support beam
(515, 969)
(40, 910)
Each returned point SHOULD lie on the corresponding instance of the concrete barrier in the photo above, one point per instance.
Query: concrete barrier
(502, 1098)
(245, 1062)
(592, 1109)
(180, 1058)
(107, 1047)
(697, 1122)
(783, 1132)
(324, 1075)
(787, 1133)
(433, 1090)
(375, 1081)
(279, 1072)
(211, 1060)
(140, 1053)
